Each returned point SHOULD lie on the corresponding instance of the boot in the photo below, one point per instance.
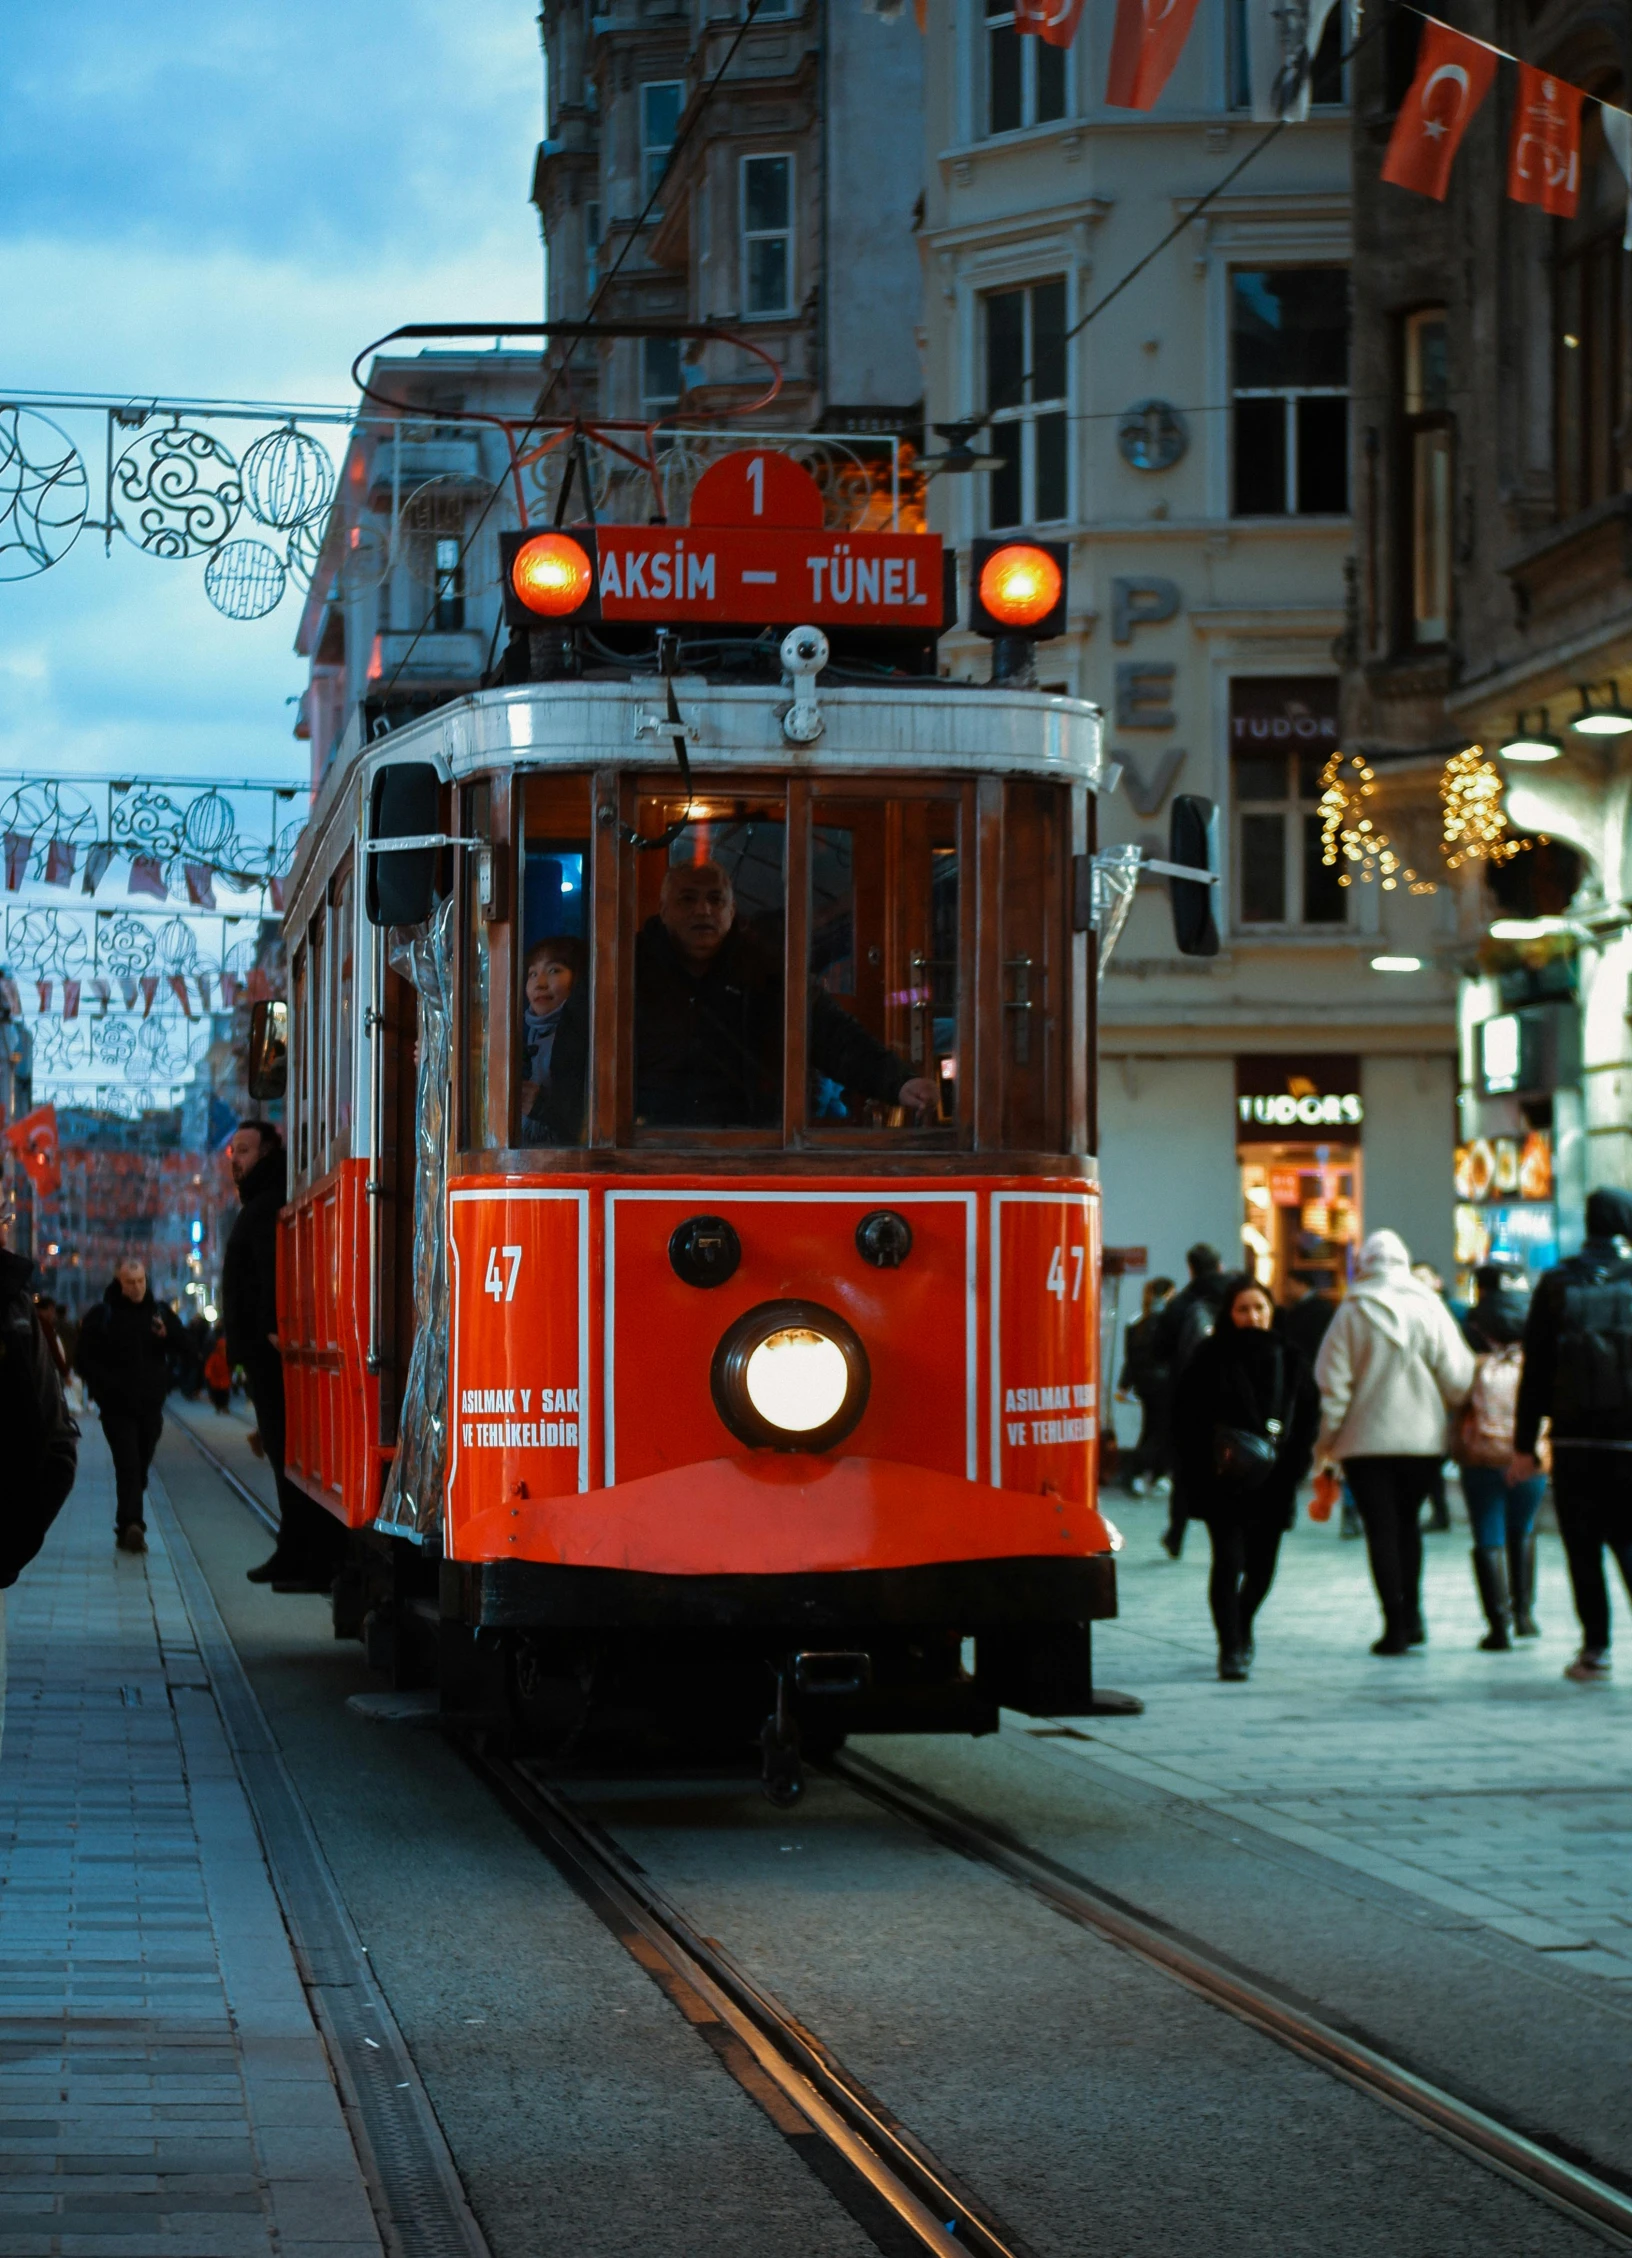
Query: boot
(1521, 1569)
(1490, 1574)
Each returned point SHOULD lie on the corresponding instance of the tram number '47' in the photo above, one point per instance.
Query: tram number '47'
(1055, 1281)
(495, 1283)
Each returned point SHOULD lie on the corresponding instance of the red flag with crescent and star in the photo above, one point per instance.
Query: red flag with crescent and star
(34, 1141)
(1146, 44)
(1544, 156)
(1053, 21)
(1453, 78)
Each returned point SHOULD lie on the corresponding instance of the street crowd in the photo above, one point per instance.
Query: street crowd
(129, 1350)
(1242, 1400)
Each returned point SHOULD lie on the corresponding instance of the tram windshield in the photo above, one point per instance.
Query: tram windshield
(781, 963)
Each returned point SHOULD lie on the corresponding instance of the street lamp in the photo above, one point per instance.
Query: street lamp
(1527, 744)
(1611, 720)
(1396, 964)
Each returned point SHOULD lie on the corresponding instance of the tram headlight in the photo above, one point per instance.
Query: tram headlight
(551, 575)
(790, 1375)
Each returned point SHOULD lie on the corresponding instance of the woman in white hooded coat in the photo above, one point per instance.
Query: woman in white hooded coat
(1390, 1369)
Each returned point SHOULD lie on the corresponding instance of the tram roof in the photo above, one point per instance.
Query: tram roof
(936, 728)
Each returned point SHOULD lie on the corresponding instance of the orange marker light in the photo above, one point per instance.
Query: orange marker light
(1019, 585)
(551, 575)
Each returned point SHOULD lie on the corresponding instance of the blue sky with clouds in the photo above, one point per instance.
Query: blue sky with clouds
(216, 200)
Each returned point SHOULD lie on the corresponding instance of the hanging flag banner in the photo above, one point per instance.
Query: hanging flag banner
(96, 865)
(1544, 156)
(1453, 77)
(178, 987)
(70, 999)
(149, 985)
(44, 987)
(1053, 21)
(1282, 39)
(1146, 44)
(200, 885)
(147, 877)
(59, 862)
(19, 846)
(34, 1140)
(1618, 141)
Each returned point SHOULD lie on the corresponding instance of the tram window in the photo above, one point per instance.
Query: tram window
(884, 950)
(341, 951)
(477, 824)
(1035, 944)
(301, 1094)
(552, 1012)
(317, 1108)
(709, 959)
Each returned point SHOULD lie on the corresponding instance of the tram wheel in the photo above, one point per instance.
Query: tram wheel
(550, 1696)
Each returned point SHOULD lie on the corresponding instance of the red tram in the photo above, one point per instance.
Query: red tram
(688, 1287)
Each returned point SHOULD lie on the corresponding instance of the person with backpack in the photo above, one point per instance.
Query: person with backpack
(1246, 1413)
(1183, 1325)
(1502, 1512)
(1578, 1373)
(1391, 1366)
(41, 1437)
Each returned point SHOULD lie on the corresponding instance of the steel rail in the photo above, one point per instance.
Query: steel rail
(1580, 2194)
(246, 1495)
(924, 2197)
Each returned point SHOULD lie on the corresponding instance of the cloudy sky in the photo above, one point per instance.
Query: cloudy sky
(228, 200)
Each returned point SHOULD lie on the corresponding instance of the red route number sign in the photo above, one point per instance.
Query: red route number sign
(1045, 1411)
(518, 1423)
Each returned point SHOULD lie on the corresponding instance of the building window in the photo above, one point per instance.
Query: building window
(768, 8)
(1328, 79)
(1289, 349)
(660, 383)
(1025, 77)
(1283, 730)
(449, 613)
(767, 235)
(1589, 332)
(1425, 400)
(1026, 400)
(592, 248)
(660, 104)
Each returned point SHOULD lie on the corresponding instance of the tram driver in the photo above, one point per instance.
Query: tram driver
(708, 1026)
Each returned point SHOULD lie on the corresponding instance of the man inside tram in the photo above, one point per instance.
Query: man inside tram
(708, 1023)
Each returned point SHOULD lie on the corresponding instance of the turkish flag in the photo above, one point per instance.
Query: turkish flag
(1453, 78)
(1544, 156)
(1148, 41)
(1054, 21)
(34, 1141)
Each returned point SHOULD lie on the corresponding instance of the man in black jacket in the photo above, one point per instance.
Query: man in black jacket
(41, 1439)
(1183, 1325)
(304, 1557)
(708, 1027)
(125, 1347)
(1578, 1373)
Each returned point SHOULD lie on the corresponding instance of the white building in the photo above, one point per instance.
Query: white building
(1195, 443)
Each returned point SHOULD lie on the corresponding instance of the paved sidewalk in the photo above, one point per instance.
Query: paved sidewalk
(163, 2089)
(1484, 1783)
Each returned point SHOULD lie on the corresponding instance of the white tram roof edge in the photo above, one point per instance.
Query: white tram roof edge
(947, 728)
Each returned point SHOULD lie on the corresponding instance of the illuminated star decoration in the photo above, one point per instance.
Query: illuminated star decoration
(1475, 830)
(1348, 835)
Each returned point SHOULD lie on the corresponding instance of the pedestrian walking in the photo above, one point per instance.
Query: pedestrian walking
(1182, 1327)
(1439, 1505)
(1502, 1512)
(126, 1344)
(1391, 1366)
(218, 1375)
(1578, 1373)
(1246, 1413)
(1146, 1377)
(1304, 1319)
(306, 1553)
(41, 1440)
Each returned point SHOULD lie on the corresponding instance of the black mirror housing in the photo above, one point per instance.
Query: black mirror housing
(405, 802)
(1190, 837)
(267, 1075)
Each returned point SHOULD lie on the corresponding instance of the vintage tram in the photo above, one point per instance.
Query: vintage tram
(689, 1280)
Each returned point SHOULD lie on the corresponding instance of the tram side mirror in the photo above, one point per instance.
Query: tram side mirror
(268, 1069)
(1191, 838)
(405, 802)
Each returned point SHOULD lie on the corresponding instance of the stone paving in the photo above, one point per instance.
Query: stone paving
(163, 2090)
(1485, 1783)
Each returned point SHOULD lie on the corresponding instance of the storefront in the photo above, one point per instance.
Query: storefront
(1298, 1127)
(1522, 1143)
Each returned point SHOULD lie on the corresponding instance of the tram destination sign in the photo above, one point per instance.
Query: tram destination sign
(728, 575)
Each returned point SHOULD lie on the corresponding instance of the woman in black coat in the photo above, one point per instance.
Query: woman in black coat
(1246, 1413)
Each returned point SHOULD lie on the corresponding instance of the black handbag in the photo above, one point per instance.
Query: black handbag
(1243, 1458)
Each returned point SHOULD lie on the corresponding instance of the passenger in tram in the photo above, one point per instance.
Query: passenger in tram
(552, 971)
(708, 1027)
